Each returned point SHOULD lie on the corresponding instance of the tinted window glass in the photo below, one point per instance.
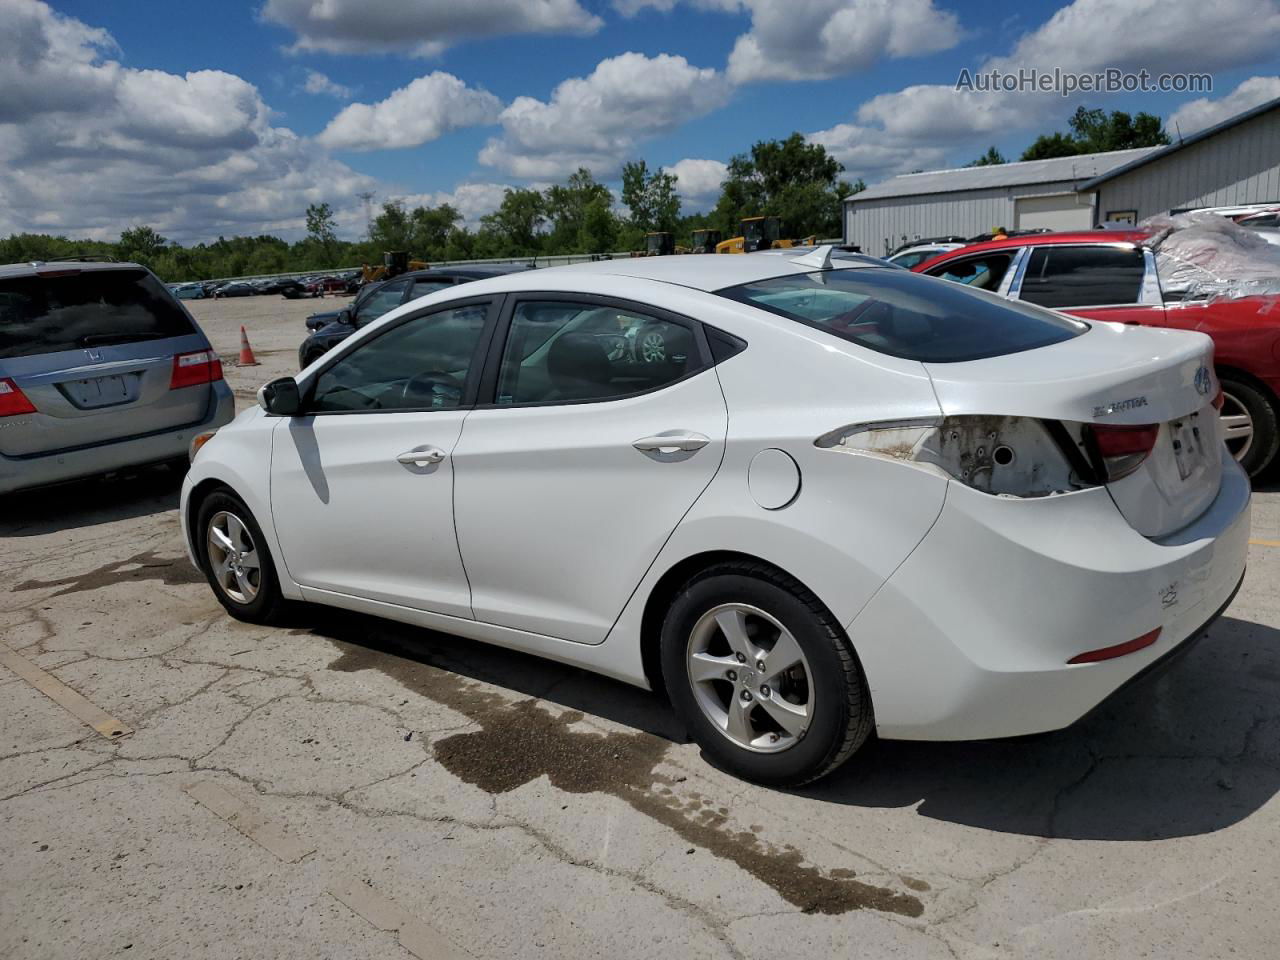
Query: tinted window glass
(1082, 276)
(909, 260)
(908, 315)
(422, 287)
(90, 308)
(383, 300)
(982, 273)
(558, 352)
(421, 364)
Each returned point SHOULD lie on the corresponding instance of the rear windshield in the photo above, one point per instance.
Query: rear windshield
(908, 315)
(89, 308)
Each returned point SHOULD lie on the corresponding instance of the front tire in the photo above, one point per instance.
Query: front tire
(762, 675)
(1249, 424)
(236, 560)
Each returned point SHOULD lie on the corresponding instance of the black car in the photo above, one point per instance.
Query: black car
(326, 317)
(379, 298)
(293, 290)
(236, 289)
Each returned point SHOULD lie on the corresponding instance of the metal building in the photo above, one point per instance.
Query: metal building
(1235, 162)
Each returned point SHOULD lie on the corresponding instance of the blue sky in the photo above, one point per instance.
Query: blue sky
(201, 121)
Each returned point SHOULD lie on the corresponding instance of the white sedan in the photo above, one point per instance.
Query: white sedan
(844, 497)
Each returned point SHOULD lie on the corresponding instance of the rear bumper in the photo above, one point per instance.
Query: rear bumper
(971, 636)
(117, 454)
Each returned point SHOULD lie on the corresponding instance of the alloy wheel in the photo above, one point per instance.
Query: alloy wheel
(750, 678)
(653, 346)
(1237, 426)
(233, 557)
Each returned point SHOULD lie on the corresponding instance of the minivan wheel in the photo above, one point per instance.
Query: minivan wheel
(1248, 425)
(236, 560)
(763, 676)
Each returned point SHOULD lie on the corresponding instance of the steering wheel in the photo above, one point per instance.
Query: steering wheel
(428, 385)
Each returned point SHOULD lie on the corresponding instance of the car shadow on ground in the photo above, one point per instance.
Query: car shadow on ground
(83, 503)
(1187, 750)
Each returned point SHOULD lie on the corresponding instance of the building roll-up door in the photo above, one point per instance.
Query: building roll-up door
(1063, 211)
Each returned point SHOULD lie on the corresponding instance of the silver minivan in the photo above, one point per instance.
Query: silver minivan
(100, 368)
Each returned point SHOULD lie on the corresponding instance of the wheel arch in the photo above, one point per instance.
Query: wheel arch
(664, 592)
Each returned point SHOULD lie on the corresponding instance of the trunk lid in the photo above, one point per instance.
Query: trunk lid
(1113, 375)
(93, 350)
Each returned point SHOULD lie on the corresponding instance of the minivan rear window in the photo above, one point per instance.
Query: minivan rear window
(908, 315)
(82, 309)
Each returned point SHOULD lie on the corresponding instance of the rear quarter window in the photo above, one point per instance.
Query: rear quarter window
(1067, 276)
(88, 308)
(908, 315)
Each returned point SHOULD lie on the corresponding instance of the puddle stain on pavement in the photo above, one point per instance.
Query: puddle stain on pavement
(147, 565)
(520, 741)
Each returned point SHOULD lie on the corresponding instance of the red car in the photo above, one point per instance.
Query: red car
(1111, 275)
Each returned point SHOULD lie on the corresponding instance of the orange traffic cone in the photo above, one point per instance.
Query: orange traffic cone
(247, 359)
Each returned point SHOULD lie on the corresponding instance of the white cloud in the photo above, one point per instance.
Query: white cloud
(820, 39)
(88, 146)
(915, 127)
(320, 85)
(421, 28)
(629, 8)
(472, 200)
(698, 180)
(424, 110)
(1204, 112)
(597, 121)
(871, 155)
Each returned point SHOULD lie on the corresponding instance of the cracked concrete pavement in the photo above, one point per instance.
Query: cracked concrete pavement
(458, 800)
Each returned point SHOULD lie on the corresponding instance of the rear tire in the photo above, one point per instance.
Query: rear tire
(778, 728)
(1244, 399)
(236, 560)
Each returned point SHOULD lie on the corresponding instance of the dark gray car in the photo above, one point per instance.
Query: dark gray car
(100, 368)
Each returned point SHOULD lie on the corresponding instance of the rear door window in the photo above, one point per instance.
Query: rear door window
(984, 272)
(908, 315)
(85, 308)
(1064, 276)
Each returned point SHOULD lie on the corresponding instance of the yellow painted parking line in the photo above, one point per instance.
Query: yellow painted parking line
(64, 696)
(1265, 543)
(249, 821)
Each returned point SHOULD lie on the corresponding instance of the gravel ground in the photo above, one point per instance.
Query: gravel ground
(345, 787)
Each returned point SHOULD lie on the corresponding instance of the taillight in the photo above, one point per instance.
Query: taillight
(1122, 448)
(192, 369)
(13, 401)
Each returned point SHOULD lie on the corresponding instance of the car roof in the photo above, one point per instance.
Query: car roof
(31, 268)
(706, 271)
(477, 272)
(1112, 237)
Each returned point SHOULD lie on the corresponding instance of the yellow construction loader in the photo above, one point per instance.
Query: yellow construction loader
(760, 233)
(705, 241)
(394, 263)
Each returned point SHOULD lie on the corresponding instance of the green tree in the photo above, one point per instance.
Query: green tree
(391, 229)
(566, 208)
(650, 197)
(322, 231)
(431, 228)
(598, 232)
(792, 179)
(515, 227)
(991, 158)
(141, 245)
(1096, 131)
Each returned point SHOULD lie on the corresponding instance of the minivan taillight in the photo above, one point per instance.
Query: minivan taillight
(13, 401)
(192, 369)
(1122, 448)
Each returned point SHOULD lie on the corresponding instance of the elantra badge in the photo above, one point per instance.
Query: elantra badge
(1130, 404)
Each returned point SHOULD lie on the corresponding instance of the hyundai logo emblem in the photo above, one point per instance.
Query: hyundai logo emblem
(1204, 382)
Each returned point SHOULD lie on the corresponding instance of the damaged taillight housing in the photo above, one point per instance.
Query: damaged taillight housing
(1120, 449)
(999, 455)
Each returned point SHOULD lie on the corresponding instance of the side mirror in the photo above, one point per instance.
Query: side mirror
(280, 397)
(347, 317)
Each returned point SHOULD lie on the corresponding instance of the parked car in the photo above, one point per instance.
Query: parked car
(101, 368)
(235, 289)
(293, 290)
(851, 498)
(188, 291)
(912, 255)
(1108, 275)
(328, 330)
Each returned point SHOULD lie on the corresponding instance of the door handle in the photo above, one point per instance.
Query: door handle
(672, 443)
(421, 458)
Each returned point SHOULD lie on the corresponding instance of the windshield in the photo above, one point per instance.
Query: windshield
(908, 315)
(85, 308)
